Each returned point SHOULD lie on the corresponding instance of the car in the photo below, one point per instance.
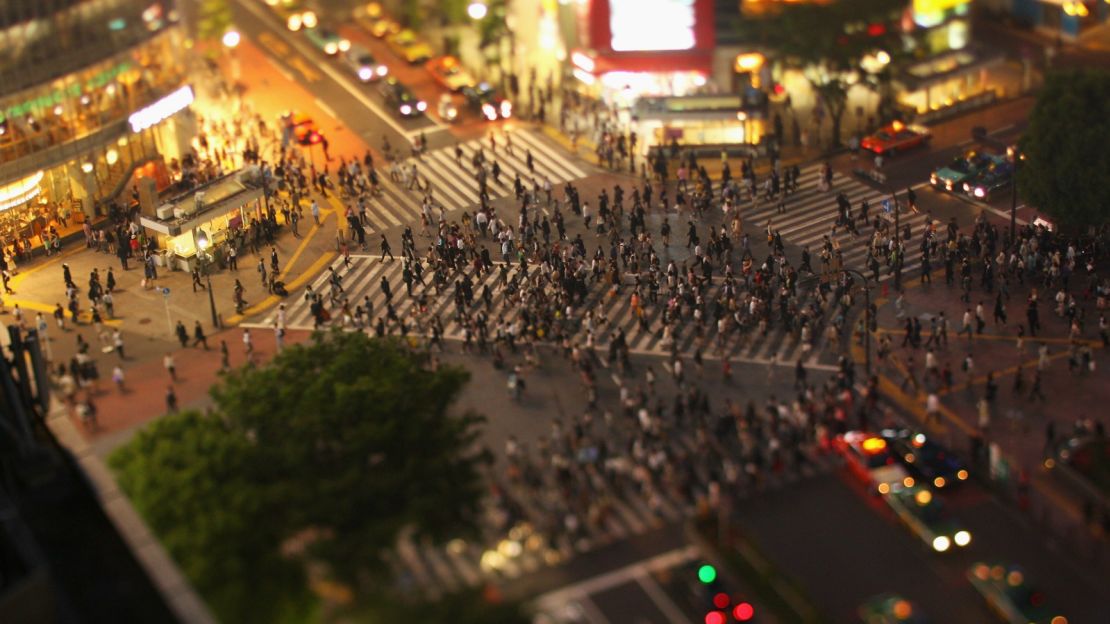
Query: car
(447, 71)
(922, 512)
(890, 609)
(990, 180)
(327, 40)
(896, 137)
(446, 108)
(409, 47)
(869, 457)
(952, 176)
(1087, 455)
(363, 64)
(301, 128)
(403, 101)
(1009, 594)
(488, 102)
(294, 14)
(927, 461)
(384, 27)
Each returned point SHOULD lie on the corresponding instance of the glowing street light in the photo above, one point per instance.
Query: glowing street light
(231, 39)
(477, 10)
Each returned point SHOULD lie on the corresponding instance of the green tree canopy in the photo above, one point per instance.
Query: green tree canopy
(828, 42)
(335, 446)
(213, 19)
(1065, 148)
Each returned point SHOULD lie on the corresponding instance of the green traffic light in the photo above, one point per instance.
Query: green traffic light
(707, 574)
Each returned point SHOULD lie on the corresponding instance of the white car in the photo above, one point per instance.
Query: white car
(363, 64)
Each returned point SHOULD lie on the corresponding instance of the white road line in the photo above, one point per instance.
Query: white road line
(281, 70)
(327, 109)
(328, 69)
(661, 600)
(602, 582)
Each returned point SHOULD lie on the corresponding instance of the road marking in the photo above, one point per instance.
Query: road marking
(309, 74)
(281, 70)
(412, 134)
(275, 45)
(327, 109)
(602, 582)
(661, 599)
(340, 79)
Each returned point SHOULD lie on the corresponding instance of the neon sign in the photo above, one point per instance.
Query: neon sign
(178, 100)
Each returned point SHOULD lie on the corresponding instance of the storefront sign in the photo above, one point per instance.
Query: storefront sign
(638, 25)
(178, 100)
(49, 100)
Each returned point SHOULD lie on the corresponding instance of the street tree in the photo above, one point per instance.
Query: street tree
(213, 19)
(329, 451)
(828, 43)
(1064, 150)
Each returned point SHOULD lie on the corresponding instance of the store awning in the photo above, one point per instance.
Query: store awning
(21, 191)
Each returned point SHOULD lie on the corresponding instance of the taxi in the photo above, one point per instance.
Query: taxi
(988, 181)
(447, 71)
(870, 458)
(928, 462)
(952, 176)
(1009, 594)
(895, 138)
(409, 47)
(890, 609)
(924, 515)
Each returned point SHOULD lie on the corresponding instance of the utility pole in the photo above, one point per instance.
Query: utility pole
(1013, 198)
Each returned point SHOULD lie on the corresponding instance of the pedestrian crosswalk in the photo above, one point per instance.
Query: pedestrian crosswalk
(528, 531)
(810, 214)
(453, 183)
(361, 282)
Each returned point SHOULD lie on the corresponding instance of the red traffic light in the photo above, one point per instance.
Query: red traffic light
(743, 612)
(714, 617)
(721, 600)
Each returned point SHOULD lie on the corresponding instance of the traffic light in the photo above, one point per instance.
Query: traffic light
(722, 607)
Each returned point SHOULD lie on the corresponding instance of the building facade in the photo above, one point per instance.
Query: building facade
(92, 93)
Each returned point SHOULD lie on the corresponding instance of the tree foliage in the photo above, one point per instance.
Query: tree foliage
(346, 440)
(213, 19)
(828, 41)
(1066, 146)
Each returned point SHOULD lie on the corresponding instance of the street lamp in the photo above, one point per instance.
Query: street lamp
(866, 319)
(231, 41)
(477, 10)
(202, 243)
(1018, 156)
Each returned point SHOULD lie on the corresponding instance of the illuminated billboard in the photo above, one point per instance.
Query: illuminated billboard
(644, 25)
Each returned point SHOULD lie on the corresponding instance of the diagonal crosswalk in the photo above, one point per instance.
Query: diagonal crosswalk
(811, 213)
(454, 185)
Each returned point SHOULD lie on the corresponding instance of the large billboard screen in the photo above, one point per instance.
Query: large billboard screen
(641, 25)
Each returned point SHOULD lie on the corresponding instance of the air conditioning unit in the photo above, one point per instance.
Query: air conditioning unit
(164, 212)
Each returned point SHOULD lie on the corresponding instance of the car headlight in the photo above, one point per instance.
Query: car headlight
(939, 482)
(382, 70)
(308, 18)
(489, 111)
(405, 109)
(330, 48)
(451, 113)
(294, 23)
(506, 108)
(421, 106)
(962, 538)
(933, 178)
(962, 475)
(344, 45)
(948, 184)
(967, 187)
(941, 543)
(979, 192)
(365, 74)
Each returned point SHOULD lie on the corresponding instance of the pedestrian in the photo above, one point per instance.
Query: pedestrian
(314, 208)
(248, 345)
(168, 363)
(225, 356)
(279, 337)
(182, 334)
(199, 337)
(171, 399)
(117, 343)
(117, 378)
(386, 249)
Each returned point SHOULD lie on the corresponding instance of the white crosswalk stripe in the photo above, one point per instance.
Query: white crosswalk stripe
(453, 184)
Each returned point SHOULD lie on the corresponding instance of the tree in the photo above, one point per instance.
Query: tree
(828, 41)
(213, 19)
(1064, 150)
(335, 447)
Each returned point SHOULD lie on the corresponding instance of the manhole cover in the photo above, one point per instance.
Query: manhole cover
(144, 321)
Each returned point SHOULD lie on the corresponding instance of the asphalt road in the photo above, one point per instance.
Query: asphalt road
(843, 546)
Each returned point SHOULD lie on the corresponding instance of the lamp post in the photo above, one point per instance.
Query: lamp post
(1018, 157)
(202, 242)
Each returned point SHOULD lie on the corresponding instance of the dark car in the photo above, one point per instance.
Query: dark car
(926, 460)
(401, 99)
(990, 180)
(488, 102)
